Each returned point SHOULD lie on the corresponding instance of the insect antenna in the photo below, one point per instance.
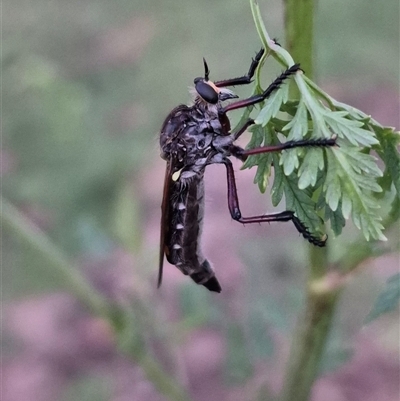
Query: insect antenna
(206, 70)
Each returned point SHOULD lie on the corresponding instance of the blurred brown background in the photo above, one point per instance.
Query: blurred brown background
(85, 87)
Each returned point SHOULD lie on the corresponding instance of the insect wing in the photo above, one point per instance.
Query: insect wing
(164, 219)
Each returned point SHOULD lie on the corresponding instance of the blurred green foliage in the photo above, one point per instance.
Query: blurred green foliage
(388, 300)
(89, 389)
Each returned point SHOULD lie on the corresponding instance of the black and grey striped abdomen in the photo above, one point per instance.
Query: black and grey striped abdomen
(186, 211)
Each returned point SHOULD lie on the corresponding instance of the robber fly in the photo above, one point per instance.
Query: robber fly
(193, 137)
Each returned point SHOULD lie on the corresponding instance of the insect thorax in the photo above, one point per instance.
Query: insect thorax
(187, 136)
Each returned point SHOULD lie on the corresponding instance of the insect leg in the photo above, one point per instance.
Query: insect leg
(245, 79)
(242, 129)
(322, 142)
(259, 98)
(233, 204)
(242, 154)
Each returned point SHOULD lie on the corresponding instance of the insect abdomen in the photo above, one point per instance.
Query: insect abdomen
(185, 226)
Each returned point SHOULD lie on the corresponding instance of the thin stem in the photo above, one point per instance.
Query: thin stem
(299, 32)
(310, 338)
(314, 324)
(313, 327)
(13, 222)
(278, 52)
(69, 277)
(312, 330)
(132, 342)
(319, 92)
(164, 383)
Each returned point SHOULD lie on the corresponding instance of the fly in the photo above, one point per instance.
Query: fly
(193, 137)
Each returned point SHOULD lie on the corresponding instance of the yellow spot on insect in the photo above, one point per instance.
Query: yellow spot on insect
(176, 175)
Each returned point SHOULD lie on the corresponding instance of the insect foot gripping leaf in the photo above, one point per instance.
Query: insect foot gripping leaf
(325, 183)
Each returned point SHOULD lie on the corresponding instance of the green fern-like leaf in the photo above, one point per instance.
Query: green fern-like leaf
(345, 180)
(350, 129)
(298, 125)
(351, 179)
(388, 151)
(273, 105)
(308, 172)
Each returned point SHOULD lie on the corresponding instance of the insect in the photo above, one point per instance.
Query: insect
(193, 137)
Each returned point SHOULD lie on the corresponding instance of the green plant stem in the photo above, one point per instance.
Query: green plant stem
(313, 326)
(299, 32)
(132, 343)
(312, 330)
(323, 290)
(14, 223)
(165, 384)
(306, 353)
(69, 277)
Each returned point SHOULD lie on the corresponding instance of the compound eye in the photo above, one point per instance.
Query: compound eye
(207, 92)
